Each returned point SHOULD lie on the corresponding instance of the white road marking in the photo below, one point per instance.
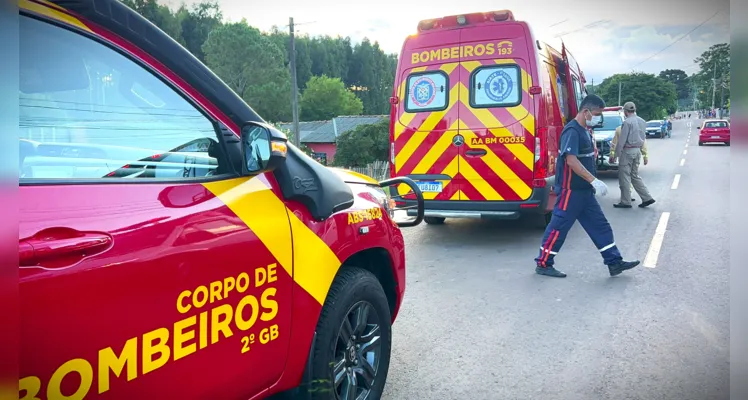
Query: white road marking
(682, 161)
(650, 261)
(685, 152)
(676, 181)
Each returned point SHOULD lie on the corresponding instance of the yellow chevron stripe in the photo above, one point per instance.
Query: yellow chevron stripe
(424, 130)
(448, 68)
(450, 170)
(463, 196)
(52, 11)
(500, 168)
(405, 118)
(520, 151)
(310, 262)
(456, 196)
(478, 181)
(436, 150)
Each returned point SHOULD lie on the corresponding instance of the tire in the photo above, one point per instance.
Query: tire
(352, 290)
(701, 143)
(434, 220)
(727, 143)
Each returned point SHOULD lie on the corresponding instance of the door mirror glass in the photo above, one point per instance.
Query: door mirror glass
(263, 148)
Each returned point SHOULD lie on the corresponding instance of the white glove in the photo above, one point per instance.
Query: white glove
(600, 187)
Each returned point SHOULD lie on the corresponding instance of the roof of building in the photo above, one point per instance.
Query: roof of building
(325, 131)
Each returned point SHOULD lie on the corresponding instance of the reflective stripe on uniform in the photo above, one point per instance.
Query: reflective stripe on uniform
(610, 246)
(548, 251)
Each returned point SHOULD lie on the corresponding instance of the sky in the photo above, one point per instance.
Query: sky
(624, 37)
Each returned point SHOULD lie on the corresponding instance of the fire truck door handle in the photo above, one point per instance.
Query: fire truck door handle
(61, 247)
(475, 153)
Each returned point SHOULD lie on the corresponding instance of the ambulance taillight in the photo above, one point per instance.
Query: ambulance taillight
(540, 171)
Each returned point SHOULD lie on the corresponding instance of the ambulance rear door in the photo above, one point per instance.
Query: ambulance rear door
(426, 122)
(573, 81)
(497, 113)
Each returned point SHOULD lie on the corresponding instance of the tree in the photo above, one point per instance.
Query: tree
(372, 73)
(303, 58)
(714, 62)
(252, 66)
(197, 23)
(654, 97)
(326, 98)
(159, 15)
(680, 79)
(363, 145)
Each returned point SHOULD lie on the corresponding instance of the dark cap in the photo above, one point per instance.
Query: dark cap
(629, 106)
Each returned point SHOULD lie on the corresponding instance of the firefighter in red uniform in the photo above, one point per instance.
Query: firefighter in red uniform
(576, 187)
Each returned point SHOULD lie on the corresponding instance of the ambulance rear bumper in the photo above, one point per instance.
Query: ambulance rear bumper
(538, 203)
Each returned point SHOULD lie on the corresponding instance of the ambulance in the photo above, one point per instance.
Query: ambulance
(476, 116)
(174, 245)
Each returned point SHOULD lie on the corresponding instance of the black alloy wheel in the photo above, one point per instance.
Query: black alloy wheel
(357, 353)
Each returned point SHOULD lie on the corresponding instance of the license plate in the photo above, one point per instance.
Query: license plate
(430, 187)
(715, 137)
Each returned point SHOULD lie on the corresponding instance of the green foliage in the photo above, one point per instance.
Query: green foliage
(363, 145)
(713, 63)
(160, 15)
(679, 78)
(364, 68)
(252, 65)
(197, 23)
(654, 97)
(326, 98)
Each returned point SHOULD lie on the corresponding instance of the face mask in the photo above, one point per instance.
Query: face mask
(594, 121)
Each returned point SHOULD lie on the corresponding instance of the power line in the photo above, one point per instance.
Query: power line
(676, 40)
(588, 26)
(558, 23)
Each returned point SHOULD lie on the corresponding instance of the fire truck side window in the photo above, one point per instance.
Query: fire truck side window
(89, 112)
(426, 92)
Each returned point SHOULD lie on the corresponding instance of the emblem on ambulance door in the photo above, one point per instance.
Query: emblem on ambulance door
(458, 140)
(423, 91)
(499, 86)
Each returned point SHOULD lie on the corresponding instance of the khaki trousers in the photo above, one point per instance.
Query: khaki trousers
(628, 176)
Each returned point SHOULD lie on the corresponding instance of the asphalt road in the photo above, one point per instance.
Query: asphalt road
(478, 323)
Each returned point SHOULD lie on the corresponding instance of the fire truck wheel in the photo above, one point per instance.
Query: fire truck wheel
(434, 220)
(354, 334)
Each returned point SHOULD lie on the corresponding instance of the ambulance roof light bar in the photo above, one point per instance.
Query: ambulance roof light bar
(454, 21)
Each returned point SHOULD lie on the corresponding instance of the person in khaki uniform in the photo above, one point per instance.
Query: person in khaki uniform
(628, 150)
(613, 144)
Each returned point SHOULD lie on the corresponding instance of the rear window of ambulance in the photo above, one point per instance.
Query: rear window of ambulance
(496, 86)
(427, 92)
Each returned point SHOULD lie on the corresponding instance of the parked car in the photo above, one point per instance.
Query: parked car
(714, 131)
(604, 133)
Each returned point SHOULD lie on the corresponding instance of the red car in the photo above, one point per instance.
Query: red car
(714, 131)
(172, 245)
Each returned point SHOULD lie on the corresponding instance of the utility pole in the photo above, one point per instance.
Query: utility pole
(714, 83)
(294, 87)
(619, 93)
(722, 100)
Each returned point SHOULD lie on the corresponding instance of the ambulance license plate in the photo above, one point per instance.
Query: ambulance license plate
(430, 187)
